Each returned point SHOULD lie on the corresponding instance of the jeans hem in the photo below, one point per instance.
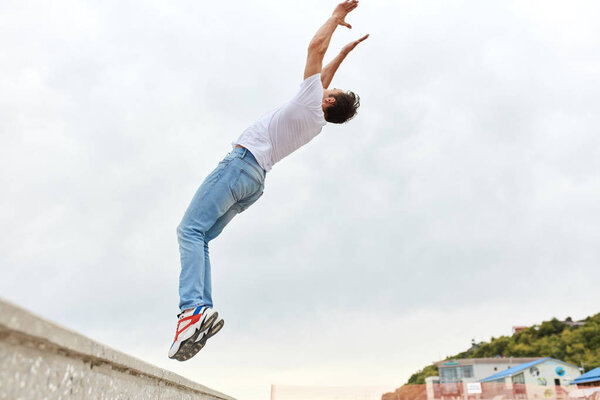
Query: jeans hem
(182, 309)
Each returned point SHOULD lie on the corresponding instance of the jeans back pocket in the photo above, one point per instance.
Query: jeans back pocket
(245, 186)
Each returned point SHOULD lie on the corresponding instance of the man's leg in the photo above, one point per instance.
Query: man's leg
(212, 233)
(212, 200)
(215, 230)
(227, 191)
(197, 319)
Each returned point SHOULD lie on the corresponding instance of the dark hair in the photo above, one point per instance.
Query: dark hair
(344, 109)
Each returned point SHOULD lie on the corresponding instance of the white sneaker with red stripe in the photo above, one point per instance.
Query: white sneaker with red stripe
(193, 325)
(202, 338)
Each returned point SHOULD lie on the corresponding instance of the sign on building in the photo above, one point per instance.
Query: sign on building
(474, 388)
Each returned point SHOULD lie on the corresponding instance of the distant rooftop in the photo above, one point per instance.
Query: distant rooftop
(574, 323)
(568, 321)
(517, 329)
(590, 376)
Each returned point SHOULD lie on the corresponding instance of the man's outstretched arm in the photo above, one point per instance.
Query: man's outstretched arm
(320, 42)
(329, 70)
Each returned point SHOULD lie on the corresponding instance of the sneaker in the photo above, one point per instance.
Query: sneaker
(190, 349)
(212, 331)
(191, 325)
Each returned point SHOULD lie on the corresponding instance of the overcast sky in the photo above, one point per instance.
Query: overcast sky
(461, 201)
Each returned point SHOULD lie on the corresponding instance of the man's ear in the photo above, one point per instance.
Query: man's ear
(329, 100)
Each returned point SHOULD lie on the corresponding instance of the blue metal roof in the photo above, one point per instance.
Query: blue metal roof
(590, 376)
(513, 370)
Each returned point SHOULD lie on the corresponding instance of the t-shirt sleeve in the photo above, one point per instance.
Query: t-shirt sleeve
(310, 93)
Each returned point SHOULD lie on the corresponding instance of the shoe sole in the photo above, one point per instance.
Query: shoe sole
(185, 346)
(192, 348)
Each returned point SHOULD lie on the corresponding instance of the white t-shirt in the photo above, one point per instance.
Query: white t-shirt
(285, 129)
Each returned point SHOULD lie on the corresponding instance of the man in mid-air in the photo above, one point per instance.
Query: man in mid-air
(238, 180)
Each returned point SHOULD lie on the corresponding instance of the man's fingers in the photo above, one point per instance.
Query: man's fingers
(357, 41)
(352, 45)
(351, 5)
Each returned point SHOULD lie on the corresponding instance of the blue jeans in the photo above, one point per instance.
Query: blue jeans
(236, 183)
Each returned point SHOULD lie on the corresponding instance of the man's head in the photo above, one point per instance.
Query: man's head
(339, 106)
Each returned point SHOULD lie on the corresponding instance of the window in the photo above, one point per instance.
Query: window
(519, 378)
(467, 371)
(449, 374)
(455, 374)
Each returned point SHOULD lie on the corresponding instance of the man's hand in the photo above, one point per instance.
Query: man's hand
(350, 46)
(344, 9)
(330, 69)
(320, 42)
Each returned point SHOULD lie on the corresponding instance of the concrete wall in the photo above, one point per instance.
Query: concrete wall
(40, 360)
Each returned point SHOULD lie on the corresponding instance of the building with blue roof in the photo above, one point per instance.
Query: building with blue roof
(500, 376)
(542, 378)
(590, 378)
(459, 378)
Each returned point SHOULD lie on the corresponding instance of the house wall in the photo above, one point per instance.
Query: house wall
(540, 382)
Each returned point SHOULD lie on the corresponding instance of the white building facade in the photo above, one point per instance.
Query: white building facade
(547, 378)
(456, 375)
(501, 378)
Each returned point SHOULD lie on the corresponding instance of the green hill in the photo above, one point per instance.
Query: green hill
(563, 340)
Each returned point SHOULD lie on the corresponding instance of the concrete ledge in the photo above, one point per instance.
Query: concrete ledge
(41, 360)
